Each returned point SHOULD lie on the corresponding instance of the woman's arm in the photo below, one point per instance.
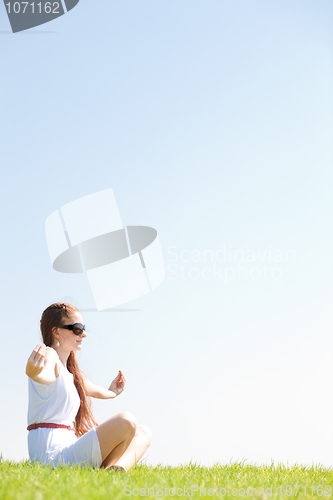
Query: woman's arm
(95, 391)
(117, 386)
(41, 365)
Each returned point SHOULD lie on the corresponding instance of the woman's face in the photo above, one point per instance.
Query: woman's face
(67, 339)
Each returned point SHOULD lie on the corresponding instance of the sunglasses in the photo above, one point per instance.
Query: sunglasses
(77, 328)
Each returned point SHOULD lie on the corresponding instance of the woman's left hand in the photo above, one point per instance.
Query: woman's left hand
(118, 384)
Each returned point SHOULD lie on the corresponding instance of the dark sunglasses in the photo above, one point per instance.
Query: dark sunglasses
(77, 328)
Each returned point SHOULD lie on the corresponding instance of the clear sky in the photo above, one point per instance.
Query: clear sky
(211, 120)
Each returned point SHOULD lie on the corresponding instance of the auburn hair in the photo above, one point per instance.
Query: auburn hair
(54, 315)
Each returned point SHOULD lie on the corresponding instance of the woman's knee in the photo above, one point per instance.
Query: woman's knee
(128, 421)
(145, 432)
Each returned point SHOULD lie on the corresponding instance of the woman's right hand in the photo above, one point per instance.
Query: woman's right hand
(36, 361)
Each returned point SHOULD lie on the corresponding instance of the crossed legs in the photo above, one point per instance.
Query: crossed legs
(122, 441)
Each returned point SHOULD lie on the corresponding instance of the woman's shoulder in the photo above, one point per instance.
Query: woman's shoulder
(51, 354)
(51, 349)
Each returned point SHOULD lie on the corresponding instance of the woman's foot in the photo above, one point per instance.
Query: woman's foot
(118, 468)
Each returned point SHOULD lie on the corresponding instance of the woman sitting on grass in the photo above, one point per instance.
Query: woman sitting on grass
(61, 426)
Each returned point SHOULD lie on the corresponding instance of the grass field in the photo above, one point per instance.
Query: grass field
(27, 481)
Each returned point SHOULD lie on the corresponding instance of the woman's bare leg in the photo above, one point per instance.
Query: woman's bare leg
(115, 436)
(139, 445)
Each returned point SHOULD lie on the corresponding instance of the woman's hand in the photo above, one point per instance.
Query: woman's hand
(36, 361)
(118, 384)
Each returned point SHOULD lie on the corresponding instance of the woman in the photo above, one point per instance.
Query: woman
(61, 426)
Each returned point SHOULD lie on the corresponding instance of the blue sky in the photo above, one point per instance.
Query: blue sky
(212, 123)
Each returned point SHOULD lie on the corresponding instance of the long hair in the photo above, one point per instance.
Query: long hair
(54, 315)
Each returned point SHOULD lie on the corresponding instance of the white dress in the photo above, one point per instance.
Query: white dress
(59, 403)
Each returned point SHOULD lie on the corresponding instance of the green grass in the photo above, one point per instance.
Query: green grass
(27, 481)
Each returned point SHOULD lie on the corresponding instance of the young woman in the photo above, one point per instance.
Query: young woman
(61, 426)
